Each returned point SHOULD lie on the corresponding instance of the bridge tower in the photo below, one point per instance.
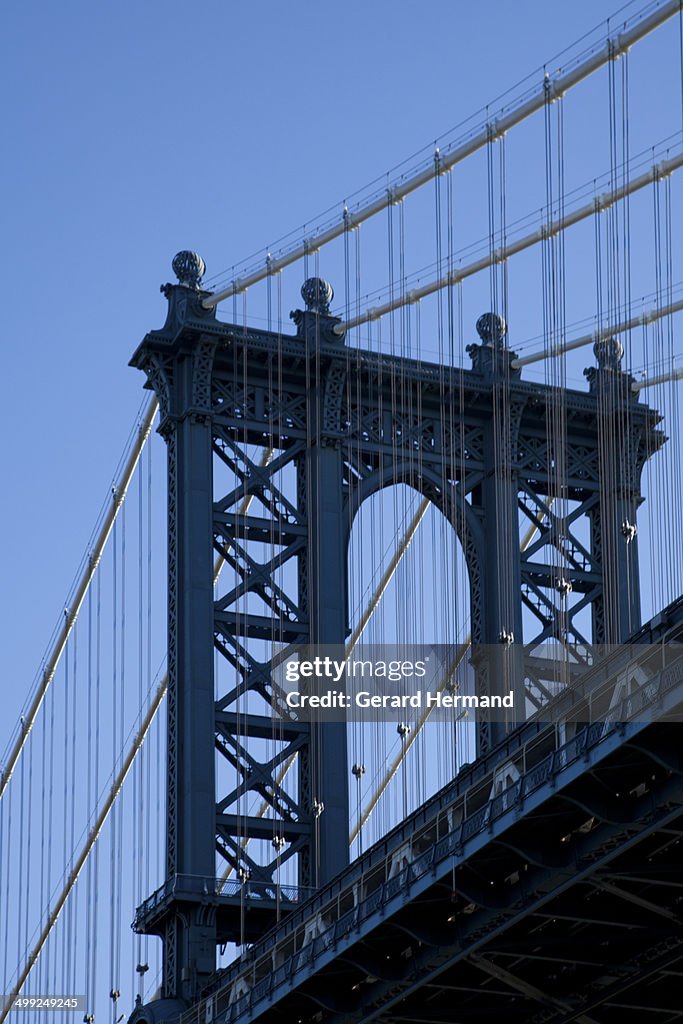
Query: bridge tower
(242, 412)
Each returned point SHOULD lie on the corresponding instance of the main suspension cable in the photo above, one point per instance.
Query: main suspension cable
(550, 228)
(71, 613)
(550, 88)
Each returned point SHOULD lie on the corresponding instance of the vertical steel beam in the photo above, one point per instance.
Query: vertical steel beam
(181, 378)
(192, 824)
(327, 606)
(623, 451)
(497, 653)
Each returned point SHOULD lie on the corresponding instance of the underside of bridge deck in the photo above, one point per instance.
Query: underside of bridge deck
(573, 912)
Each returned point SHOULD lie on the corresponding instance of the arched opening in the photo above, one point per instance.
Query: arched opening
(408, 593)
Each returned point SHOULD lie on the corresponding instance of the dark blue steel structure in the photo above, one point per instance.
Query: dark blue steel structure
(504, 866)
(559, 894)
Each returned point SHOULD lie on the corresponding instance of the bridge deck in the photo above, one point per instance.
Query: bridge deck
(558, 894)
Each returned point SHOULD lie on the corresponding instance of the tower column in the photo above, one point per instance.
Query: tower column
(181, 378)
(327, 606)
(326, 581)
(191, 770)
(497, 637)
(614, 529)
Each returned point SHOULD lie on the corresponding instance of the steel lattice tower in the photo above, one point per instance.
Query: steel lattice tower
(346, 423)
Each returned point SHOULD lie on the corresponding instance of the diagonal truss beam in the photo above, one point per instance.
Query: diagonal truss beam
(526, 988)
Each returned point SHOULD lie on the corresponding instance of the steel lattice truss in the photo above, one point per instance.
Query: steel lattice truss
(339, 425)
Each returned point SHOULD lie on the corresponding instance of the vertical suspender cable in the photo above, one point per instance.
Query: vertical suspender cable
(514, 114)
(91, 839)
(81, 590)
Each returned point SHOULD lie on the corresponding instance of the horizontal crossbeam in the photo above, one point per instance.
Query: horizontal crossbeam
(260, 828)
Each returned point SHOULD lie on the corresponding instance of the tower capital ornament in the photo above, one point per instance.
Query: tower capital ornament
(317, 294)
(492, 329)
(189, 268)
(608, 352)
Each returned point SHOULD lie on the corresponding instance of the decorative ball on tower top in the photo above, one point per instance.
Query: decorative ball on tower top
(609, 352)
(492, 329)
(317, 294)
(189, 268)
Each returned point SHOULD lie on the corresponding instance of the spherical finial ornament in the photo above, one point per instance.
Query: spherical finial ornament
(189, 268)
(609, 353)
(317, 294)
(492, 329)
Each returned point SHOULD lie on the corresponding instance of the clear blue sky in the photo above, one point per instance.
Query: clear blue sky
(133, 130)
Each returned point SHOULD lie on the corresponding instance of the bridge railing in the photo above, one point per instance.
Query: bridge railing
(437, 831)
(196, 888)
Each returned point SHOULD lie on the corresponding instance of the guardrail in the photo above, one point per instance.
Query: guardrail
(390, 868)
(194, 888)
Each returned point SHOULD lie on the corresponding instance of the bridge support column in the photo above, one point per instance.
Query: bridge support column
(616, 615)
(181, 378)
(501, 590)
(326, 571)
(327, 586)
(190, 951)
(497, 637)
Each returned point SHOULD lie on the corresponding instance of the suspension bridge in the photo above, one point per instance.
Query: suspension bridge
(467, 447)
